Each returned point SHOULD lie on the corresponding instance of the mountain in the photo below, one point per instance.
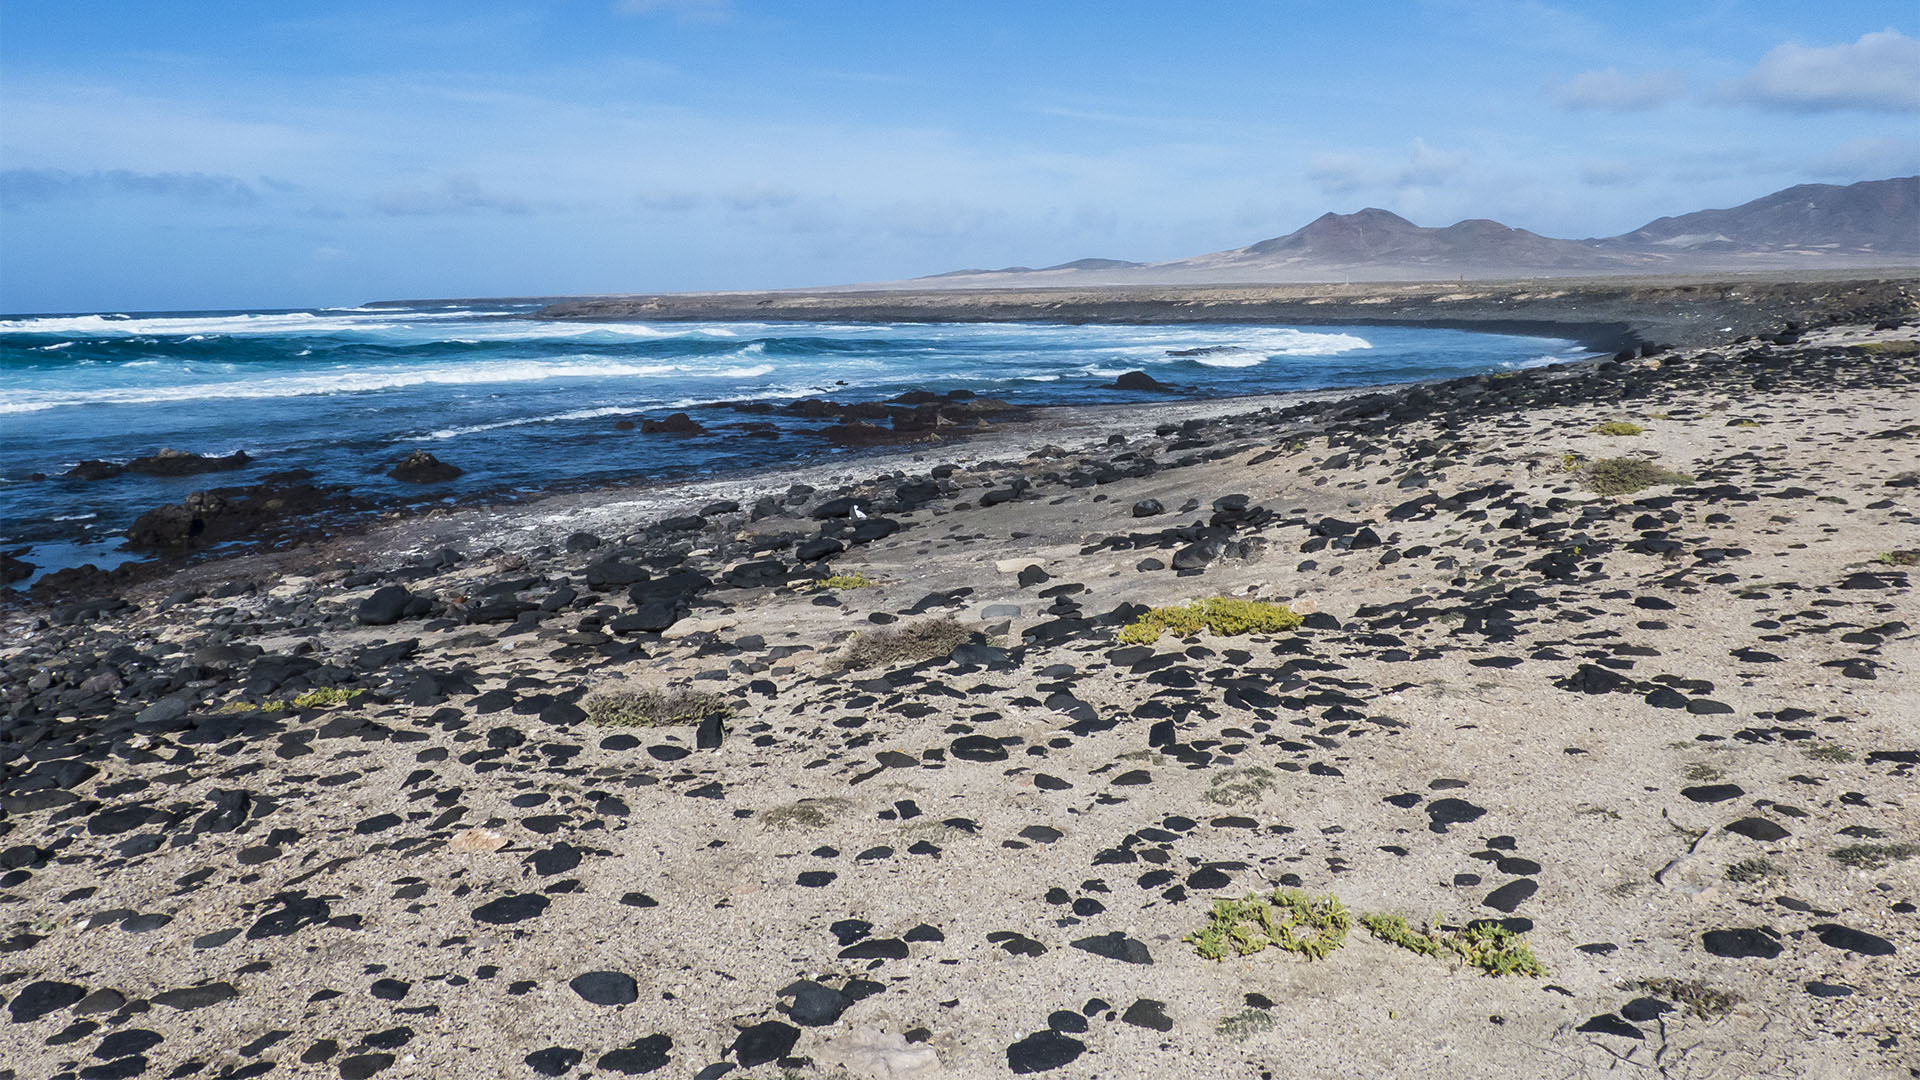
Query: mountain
(1878, 215)
(1872, 223)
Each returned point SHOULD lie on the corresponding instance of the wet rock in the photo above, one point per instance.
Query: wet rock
(421, 467)
(1139, 380)
(181, 463)
(674, 424)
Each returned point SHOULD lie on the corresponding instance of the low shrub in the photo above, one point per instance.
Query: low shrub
(1872, 856)
(1618, 427)
(848, 581)
(652, 708)
(1623, 476)
(1289, 919)
(1490, 947)
(914, 643)
(1221, 615)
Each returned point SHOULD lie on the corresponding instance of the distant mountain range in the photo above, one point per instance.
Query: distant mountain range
(1872, 223)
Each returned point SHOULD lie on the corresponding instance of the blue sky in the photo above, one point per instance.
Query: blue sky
(161, 155)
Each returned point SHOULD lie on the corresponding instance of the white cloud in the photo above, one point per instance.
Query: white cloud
(1337, 174)
(32, 185)
(1614, 90)
(1879, 72)
(1426, 166)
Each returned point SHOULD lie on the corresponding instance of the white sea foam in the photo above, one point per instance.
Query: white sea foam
(474, 429)
(360, 381)
(1228, 359)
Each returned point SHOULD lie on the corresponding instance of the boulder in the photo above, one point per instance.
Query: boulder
(1139, 380)
(677, 424)
(420, 467)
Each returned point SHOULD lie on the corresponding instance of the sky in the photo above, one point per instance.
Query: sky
(162, 155)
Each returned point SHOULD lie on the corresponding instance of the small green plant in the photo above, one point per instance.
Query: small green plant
(239, 706)
(1244, 1024)
(1749, 871)
(1572, 461)
(1395, 930)
(1743, 423)
(322, 698)
(1490, 947)
(1221, 615)
(1900, 557)
(653, 708)
(914, 643)
(1288, 919)
(1872, 856)
(848, 581)
(1695, 996)
(1618, 427)
(1701, 772)
(1623, 476)
(1827, 752)
(1239, 787)
(1496, 950)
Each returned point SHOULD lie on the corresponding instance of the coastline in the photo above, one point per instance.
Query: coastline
(1665, 735)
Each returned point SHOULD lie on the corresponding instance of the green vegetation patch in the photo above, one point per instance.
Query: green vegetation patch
(323, 698)
(1756, 869)
(805, 814)
(1873, 856)
(1244, 1024)
(914, 643)
(1220, 615)
(1243, 786)
(1892, 348)
(1827, 752)
(653, 708)
(1490, 947)
(1901, 557)
(848, 581)
(1703, 1001)
(1618, 427)
(1288, 919)
(1624, 476)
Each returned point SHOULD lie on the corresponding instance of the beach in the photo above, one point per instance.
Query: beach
(1599, 673)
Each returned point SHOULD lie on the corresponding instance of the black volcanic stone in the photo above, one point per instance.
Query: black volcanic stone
(876, 949)
(606, 988)
(1829, 990)
(297, 911)
(643, 1056)
(815, 1005)
(512, 908)
(196, 997)
(1509, 896)
(1043, 1050)
(554, 1060)
(978, 748)
(1758, 828)
(1611, 1024)
(1712, 793)
(41, 998)
(1116, 946)
(1741, 943)
(1642, 1009)
(1442, 813)
(362, 1066)
(389, 989)
(1148, 1013)
(127, 1041)
(763, 1042)
(1847, 939)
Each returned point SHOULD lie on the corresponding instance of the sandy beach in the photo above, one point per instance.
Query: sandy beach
(1601, 675)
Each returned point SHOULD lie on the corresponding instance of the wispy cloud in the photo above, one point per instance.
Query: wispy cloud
(1871, 158)
(1880, 72)
(684, 10)
(1423, 166)
(40, 185)
(455, 195)
(1613, 90)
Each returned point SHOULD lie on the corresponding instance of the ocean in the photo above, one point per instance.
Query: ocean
(526, 405)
